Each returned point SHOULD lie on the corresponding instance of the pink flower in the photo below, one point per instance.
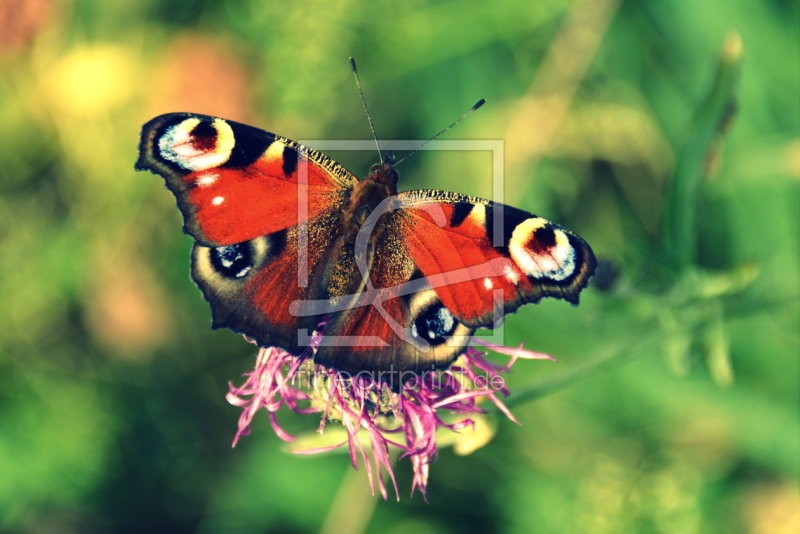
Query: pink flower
(405, 418)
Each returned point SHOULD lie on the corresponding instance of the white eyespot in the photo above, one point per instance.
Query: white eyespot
(217, 200)
(234, 260)
(226, 263)
(431, 321)
(487, 283)
(511, 275)
(555, 260)
(197, 151)
(441, 323)
(207, 179)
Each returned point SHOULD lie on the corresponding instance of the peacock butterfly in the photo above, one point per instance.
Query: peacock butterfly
(286, 238)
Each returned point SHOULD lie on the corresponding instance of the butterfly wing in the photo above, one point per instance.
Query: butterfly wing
(233, 182)
(251, 285)
(397, 324)
(264, 212)
(436, 276)
(272, 227)
(508, 256)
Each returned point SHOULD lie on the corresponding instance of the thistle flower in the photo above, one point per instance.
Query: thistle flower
(390, 416)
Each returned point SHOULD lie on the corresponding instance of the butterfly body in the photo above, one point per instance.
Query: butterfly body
(368, 194)
(286, 238)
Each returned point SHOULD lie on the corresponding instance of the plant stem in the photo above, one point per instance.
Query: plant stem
(710, 121)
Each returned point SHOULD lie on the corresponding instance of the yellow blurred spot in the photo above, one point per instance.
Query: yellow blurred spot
(733, 47)
(773, 510)
(90, 80)
(543, 109)
(792, 158)
(625, 135)
(470, 440)
(624, 487)
(333, 435)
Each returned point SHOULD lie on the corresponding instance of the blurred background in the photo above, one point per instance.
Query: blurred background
(112, 384)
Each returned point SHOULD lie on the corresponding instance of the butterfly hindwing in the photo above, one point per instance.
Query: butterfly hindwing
(251, 285)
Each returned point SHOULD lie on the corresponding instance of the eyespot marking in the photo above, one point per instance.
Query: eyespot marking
(431, 321)
(542, 251)
(232, 261)
(434, 325)
(196, 145)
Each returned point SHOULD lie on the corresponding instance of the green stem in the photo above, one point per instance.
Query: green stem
(713, 115)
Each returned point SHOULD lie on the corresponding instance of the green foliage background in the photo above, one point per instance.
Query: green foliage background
(112, 385)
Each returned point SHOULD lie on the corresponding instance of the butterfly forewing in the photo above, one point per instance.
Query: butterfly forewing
(233, 182)
(533, 257)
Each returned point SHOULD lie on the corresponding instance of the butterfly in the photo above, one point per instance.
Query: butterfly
(287, 239)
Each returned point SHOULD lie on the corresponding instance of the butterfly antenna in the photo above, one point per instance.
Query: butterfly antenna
(481, 102)
(364, 102)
